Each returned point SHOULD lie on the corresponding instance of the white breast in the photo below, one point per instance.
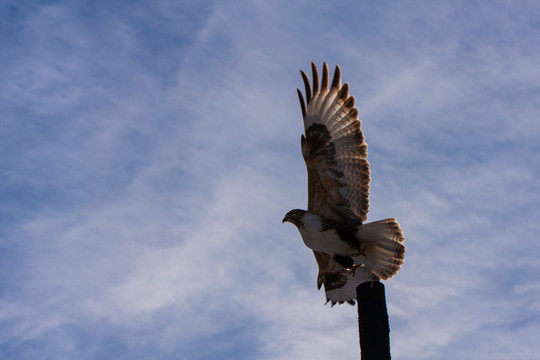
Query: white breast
(328, 241)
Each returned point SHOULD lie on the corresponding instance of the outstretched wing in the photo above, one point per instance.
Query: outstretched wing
(339, 284)
(334, 150)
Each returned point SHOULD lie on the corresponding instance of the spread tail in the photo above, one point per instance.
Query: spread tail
(382, 247)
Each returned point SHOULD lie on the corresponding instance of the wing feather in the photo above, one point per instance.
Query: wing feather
(334, 149)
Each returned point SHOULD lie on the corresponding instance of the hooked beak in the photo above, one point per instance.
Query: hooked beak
(285, 219)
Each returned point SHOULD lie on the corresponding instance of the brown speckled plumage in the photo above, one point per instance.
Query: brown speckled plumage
(335, 153)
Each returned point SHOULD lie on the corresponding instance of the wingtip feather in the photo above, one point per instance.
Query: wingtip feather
(302, 104)
(344, 92)
(324, 82)
(315, 73)
(336, 81)
(307, 86)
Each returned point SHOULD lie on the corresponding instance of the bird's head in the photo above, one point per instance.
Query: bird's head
(295, 217)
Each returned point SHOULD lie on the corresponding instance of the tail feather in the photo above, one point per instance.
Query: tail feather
(383, 251)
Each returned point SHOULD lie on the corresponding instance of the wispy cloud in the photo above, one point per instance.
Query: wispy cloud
(150, 151)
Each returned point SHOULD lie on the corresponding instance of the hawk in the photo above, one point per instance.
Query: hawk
(348, 250)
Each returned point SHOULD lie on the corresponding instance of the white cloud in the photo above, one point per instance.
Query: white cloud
(158, 186)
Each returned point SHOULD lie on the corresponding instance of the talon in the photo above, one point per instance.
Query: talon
(352, 270)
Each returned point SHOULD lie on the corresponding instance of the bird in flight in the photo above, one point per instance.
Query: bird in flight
(347, 250)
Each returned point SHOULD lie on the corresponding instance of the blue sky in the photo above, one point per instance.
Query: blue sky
(149, 150)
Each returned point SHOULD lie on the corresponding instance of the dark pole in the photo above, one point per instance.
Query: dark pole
(373, 321)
